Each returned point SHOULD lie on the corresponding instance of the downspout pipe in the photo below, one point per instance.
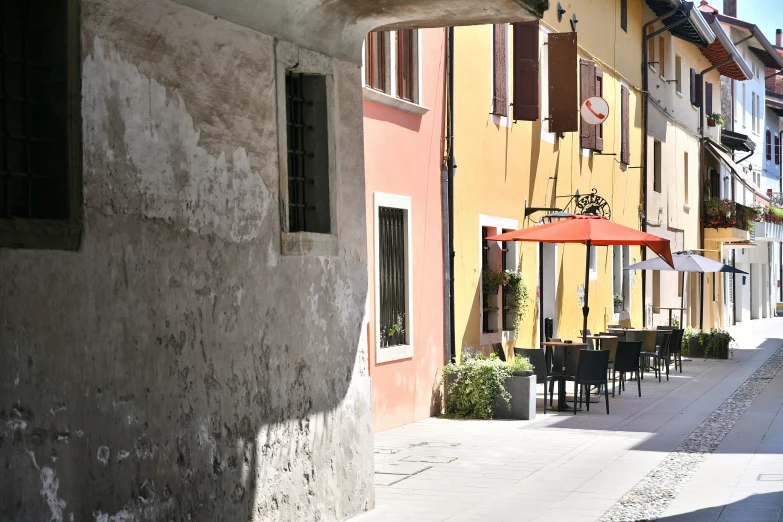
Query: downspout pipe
(450, 166)
(781, 244)
(645, 121)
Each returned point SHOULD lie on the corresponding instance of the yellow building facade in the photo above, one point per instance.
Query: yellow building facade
(507, 166)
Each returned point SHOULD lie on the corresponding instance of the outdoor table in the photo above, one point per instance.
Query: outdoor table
(670, 309)
(561, 375)
(647, 337)
(599, 338)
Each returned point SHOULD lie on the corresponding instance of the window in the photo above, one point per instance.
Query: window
(621, 256)
(708, 98)
(656, 166)
(375, 60)
(393, 273)
(662, 56)
(625, 154)
(651, 48)
(499, 70)
(656, 289)
(391, 66)
(685, 176)
(678, 72)
(768, 143)
(405, 64)
(743, 108)
(308, 153)
(753, 111)
(593, 271)
(497, 313)
(694, 88)
(624, 15)
(777, 149)
(40, 140)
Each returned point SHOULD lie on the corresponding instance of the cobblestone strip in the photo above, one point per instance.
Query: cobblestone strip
(653, 494)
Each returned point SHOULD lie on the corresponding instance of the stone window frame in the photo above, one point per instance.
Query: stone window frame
(60, 234)
(290, 57)
(404, 351)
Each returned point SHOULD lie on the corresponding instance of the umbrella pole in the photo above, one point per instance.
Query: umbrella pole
(586, 308)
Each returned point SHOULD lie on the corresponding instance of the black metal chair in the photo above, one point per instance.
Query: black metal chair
(675, 348)
(660, 356)
(499, 351)
(627, 360)
(537, 358)
(590, 344)
(553, 361)
(592, 371)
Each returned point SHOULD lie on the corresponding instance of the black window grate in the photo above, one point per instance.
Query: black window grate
(486, 311)
(33, 110)
(508, 308)
(297, 175)
(392, 276)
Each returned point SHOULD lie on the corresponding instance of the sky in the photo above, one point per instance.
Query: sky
(766, 14)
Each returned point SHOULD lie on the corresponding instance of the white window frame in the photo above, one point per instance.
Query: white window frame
(390, 99)
(543, 93)
(678, 73)
(621, 256)
(593, 263)
(504, 121)
(405, 351)
(499, 224)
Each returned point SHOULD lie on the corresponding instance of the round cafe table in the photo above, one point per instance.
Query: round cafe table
(560, 373)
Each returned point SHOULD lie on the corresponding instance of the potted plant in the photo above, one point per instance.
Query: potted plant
(618, 303)
(492, 280)
(717, 344)
(521, 389)
(519, 296)
(715, 119)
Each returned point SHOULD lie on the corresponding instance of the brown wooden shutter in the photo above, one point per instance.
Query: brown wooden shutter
(586, 89)
(625, 117)
(777, 149)
(526, 67)
(599, 91)
(693, 87)
(563, 96)
(699, 90)
(499, 67)
(708, 98)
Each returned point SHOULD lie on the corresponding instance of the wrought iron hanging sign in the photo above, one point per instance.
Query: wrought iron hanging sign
(594, 205)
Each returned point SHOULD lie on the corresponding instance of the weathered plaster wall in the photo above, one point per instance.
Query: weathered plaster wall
(178, 367)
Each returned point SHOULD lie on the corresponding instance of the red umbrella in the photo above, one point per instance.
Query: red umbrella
(590, 231)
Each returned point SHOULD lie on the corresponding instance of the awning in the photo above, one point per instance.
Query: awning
(759, 45)
(695, 30)
(723, 55)
(737, 141)
(721, 155)
(774, 101)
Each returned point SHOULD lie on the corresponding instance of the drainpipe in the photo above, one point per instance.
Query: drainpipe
(781, 244)
(450, 166)
(646, 95)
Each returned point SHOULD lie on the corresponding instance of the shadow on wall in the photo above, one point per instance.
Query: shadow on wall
(376, 111)
(177, 367)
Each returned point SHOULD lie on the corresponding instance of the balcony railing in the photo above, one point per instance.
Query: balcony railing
(770, 224)
(725, 213)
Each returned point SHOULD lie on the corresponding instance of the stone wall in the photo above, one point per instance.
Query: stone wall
(177, 366)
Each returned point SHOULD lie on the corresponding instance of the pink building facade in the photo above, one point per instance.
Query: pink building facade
(403, 90)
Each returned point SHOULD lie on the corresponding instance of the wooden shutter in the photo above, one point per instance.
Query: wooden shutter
(699, 79)
(599, 91)
(563, 96)
(769, 145)
(499, 97)
(587, 89)
(693, 87)
(526, 69)
(777, 149)
(625, 152)
(708, 98)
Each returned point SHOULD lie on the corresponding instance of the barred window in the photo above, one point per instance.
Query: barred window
(40, 170)
(393, 276)
(308, 153)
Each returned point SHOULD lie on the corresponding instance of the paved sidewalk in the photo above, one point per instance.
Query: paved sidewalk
(575, 467)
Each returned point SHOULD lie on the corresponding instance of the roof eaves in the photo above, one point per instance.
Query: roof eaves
(765, 50)
(728, 47)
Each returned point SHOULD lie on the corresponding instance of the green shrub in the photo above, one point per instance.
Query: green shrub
(477, 381)
(519, 363)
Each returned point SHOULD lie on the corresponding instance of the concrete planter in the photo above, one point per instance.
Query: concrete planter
(522, 387)
(696, 351)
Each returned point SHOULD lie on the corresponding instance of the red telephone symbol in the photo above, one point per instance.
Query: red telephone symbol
(598, 115)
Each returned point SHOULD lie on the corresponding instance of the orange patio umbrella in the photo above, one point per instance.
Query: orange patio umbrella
(590, 231)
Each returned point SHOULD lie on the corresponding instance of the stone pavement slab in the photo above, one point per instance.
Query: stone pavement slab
(562, 466)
